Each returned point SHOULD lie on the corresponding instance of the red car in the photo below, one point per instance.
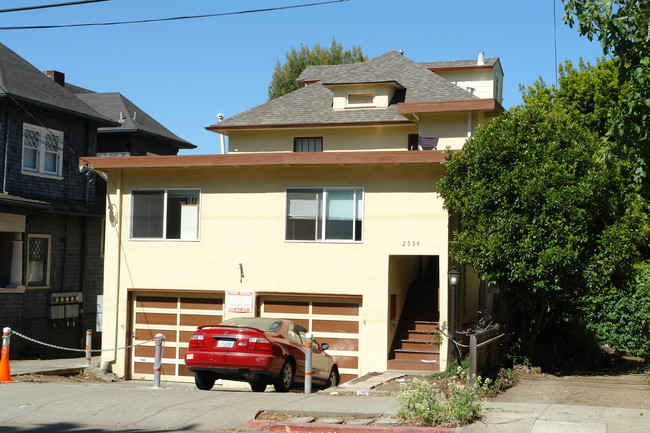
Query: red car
(259, 351)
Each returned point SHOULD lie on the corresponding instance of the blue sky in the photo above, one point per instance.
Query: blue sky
(185, 72)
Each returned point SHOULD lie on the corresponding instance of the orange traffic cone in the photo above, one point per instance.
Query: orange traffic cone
(5, 370)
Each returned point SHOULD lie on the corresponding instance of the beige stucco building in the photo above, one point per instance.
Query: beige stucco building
(324, 211)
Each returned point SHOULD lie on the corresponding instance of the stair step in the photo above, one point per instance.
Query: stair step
(424, 325)
(415, 354)
(407, 364)
(428, 344)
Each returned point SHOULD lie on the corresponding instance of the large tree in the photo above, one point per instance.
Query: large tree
(547, 214)
(623, 29)
(286, 75)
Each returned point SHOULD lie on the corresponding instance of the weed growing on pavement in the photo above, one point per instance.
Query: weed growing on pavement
(422, 403)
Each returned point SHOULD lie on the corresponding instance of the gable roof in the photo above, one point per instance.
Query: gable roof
(312, 105)
(22, 81)
(112, 105)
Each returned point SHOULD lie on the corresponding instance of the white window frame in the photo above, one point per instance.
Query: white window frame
(362, 105)
(322, 235)
(41, 151)
(165, 213)
(45, 282)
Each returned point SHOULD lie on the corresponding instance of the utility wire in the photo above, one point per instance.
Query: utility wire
(52, 5)
(555, 41)
(171, 18)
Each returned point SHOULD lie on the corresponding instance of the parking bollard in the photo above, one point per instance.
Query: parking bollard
(308, 364)
(5, 370)
(89, 342)
(157, 362)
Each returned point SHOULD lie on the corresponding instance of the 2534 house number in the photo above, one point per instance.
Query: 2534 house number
(410, 243)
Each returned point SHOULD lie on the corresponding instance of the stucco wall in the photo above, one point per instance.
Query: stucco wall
(242, 220)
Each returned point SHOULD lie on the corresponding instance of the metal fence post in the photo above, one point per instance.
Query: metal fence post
(89, 342)
(308, 363)
(5, 370)
(157, 362)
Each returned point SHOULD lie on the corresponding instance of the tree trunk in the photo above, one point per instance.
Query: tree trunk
(539, 320)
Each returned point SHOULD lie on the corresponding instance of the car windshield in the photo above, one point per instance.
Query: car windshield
(271, 325)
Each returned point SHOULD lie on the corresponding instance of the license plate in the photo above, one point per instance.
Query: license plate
(228, 344)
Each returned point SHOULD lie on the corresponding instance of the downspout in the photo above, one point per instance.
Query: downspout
(6, 140)
(118, 267)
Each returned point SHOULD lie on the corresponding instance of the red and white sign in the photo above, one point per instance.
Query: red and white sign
(239, 301)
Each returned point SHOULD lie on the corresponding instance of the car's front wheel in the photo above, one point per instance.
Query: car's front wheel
(258, 386)
(284, 381)
(333, 379)
(204, 380)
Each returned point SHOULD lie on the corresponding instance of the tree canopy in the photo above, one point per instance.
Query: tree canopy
(623, 29)
(546, 214)
(285, 75)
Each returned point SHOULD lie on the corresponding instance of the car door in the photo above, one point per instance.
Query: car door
(319, 362)
(297, 347)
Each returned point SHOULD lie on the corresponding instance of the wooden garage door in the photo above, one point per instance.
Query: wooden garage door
(334, 321)
(176, 316)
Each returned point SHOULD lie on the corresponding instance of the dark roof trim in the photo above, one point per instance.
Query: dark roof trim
(218, 128)
(54, 109)
(363, 83)
(180, 144)
(442, 106)
(455, 68)
(21, 204)
(270, 159)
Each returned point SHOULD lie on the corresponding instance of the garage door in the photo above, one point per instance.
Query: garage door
(176, 316)
(334, 321)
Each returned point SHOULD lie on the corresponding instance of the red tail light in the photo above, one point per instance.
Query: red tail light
(259, 343)
(197, 341)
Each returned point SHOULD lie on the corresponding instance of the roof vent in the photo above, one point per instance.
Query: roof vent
(471, 90)
(122, 117)
(480, 61)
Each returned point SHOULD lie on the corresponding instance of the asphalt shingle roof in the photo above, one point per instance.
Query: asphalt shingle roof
(22, 81)
(312, 104)
(491, 61)
(112, 104)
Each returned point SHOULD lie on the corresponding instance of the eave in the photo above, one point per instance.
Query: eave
(216, 127)
(449, 106)
(268, 159)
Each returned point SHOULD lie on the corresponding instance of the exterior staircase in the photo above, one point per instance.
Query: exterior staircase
(415, 346)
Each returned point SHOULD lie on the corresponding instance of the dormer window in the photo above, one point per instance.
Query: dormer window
(361, 100)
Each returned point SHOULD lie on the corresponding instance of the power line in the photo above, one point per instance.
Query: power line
(52, 5)
(171, 18)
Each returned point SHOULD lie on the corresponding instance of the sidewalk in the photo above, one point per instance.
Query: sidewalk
(181, 406)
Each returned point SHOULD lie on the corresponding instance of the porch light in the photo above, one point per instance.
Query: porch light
(453, 276)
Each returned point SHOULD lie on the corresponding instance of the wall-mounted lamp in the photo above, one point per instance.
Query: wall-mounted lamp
(88, 169)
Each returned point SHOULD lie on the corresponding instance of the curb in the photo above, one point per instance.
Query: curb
(284, 426)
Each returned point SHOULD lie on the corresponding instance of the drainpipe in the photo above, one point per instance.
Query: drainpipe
(6, 140)
(118, 194)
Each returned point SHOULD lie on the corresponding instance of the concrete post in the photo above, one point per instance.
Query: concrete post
(157, 362)
(308, 355)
